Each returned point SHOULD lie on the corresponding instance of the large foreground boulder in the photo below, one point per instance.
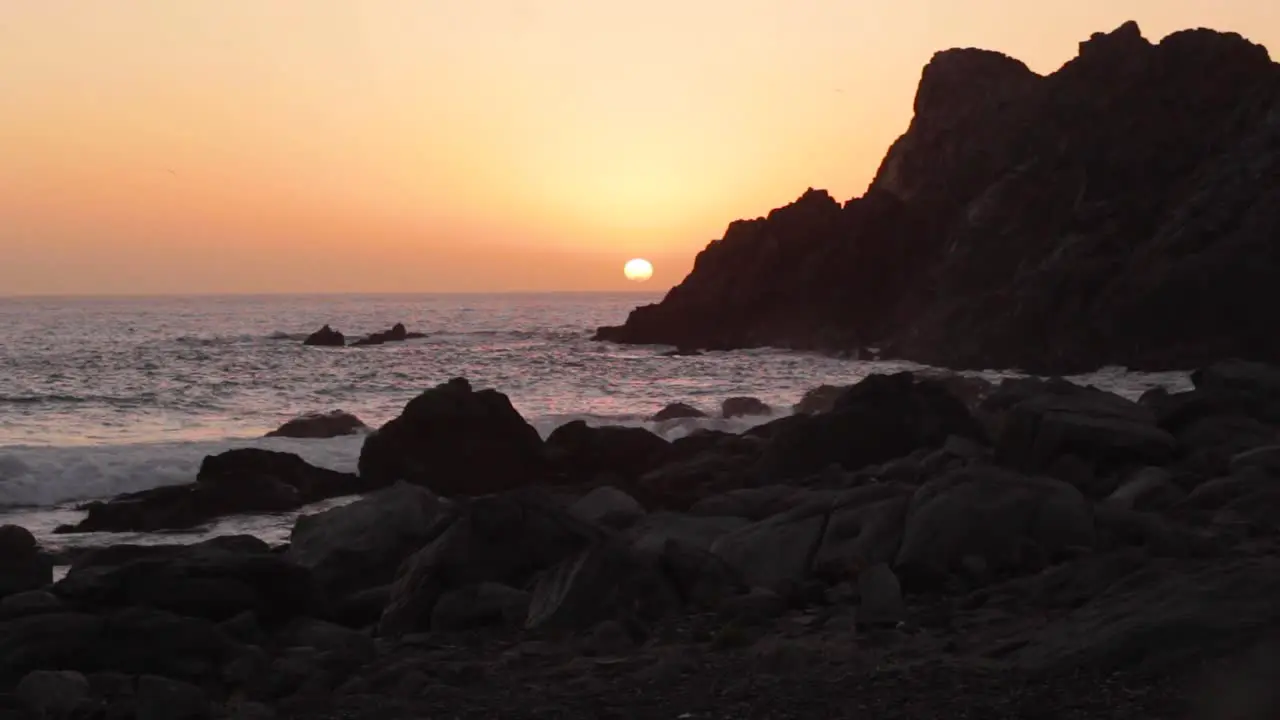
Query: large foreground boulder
(881, 418)
(457, 441)
(215, 580)
(359, 546)
(505, 539)
(587, 453)
(981, 522)
(22, 566)
(131, 641)
(245, 480)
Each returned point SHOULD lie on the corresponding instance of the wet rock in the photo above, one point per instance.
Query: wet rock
(819, 400)
(22, 566)
(52, 694)
(484, 604)
(397, 333)
(506, 539)
(881, 418)
(585, 452)
(361, 545)
(993, 514)
(206, 580)
(677, 411)
(325, 337)
(608, 507)
(245, 480)
(335, 423)
(457, 441)
(744, 407)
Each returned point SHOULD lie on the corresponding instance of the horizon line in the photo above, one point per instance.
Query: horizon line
(358, 293)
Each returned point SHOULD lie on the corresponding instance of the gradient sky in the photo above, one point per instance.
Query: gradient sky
(158, 146)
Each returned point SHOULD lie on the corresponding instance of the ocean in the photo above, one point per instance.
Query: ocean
(100, 396)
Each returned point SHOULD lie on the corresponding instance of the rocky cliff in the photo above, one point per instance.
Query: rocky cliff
(1124, 209)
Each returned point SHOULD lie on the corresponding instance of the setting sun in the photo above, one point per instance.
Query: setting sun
(638, 270)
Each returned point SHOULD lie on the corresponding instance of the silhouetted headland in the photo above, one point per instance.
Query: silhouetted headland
(1120, 211)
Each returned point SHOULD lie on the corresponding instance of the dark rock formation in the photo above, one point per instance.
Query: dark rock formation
(457, 441)
(245, 480)
(677, 411)
(320, 425)
(397, 333)
(22, 566)
(744, 407)
(326, 337)
(1121, 210)
(585, 453)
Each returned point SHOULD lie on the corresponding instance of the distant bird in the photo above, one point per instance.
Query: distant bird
(171, 172)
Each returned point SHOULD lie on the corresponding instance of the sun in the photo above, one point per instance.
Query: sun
(638, 270)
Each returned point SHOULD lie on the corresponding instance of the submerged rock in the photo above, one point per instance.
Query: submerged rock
(677, 411)
(744, 407)
(335, 423)
(326, 337)
(397, 333)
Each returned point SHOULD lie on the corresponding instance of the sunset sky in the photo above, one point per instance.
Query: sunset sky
(161, 146)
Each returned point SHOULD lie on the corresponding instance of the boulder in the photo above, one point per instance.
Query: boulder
(679, 484)
(1251, 387)
(585, 453)
(754, 504)
(335, 423)
(31, 602)
(397, 333)
(52, 694)
(325, 337)
(457, 441)
(602, 582)
(245, 480)
(485, 604)
(677, 411)
(159, 698)
(608, 507)
(1104, 428)
(506, 539)
(744, 407)
(206, 580)
(864, 528)
(819, 400)
(1007, 521)
(881, 418)
(1149, 489)
(879, 596)
(361, 545)
(778, 551)
(134, 641)
(654, 530)
(22, 566)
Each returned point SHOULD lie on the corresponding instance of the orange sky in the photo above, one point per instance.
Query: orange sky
(462, 145)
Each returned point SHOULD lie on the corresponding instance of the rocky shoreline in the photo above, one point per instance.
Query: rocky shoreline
(1120, 210)
(912, 547)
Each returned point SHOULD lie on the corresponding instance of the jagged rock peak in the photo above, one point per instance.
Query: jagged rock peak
(1126, 38)
(962, 76)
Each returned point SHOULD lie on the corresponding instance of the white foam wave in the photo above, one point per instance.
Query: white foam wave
(44, 476)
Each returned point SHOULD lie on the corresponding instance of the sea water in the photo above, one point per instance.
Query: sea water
(100, 396)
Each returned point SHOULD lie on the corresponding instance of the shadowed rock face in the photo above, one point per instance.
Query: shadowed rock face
(1121, 210)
